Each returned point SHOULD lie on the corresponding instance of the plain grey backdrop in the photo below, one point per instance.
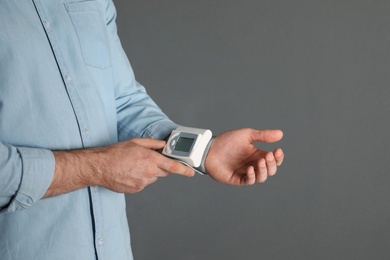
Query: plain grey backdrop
(318, 70)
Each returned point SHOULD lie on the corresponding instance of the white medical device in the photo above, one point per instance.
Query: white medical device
(188, 145)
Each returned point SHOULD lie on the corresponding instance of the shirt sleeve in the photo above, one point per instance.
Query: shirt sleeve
(138, 115)
(25, 175)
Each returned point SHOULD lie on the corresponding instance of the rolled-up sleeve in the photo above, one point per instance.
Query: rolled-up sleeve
(25, 175)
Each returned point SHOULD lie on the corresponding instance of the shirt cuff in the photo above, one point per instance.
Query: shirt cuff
(37, 175)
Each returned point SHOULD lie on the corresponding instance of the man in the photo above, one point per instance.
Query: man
(77, 131)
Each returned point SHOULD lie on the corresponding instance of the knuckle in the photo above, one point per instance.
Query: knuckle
(144, 183)
(139, 185)
(136, 190)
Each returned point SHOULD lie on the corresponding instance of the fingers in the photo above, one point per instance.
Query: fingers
(279, 156)
(262, 173)
(250, 177)
(149, 143)
(271, 164)
(171, 166)
(268, 165)
(159, 166)
(266, 136)
(164, 164)
(259, 175)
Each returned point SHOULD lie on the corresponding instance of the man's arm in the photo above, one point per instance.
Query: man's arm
(131, 165)
(126, 167)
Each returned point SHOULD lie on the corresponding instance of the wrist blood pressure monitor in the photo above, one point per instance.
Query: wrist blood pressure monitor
(189, 146)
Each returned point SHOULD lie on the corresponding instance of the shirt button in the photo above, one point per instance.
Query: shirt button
(86, 133)
(68, 78)
(46, 24)
(95, 189)
(100, 242)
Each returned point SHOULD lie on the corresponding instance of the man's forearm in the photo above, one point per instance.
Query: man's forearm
(126, 167)
(75, 170)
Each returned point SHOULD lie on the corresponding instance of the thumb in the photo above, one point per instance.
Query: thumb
(149, 143)
(266, 136)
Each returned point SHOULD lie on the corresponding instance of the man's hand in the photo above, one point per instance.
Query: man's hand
(134, 164)
(233, 159)
(126, 167)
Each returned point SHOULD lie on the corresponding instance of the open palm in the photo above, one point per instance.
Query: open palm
(234, 159)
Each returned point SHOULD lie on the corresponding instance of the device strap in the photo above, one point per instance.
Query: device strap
(202, 167)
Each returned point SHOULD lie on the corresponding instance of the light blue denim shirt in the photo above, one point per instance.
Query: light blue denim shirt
(65, 83)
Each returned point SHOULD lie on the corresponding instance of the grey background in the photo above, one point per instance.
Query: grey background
(318, 70)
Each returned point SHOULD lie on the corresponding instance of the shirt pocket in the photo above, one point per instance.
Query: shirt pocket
(88, 22)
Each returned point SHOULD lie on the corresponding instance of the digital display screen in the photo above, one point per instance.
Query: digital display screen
(184, 144)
